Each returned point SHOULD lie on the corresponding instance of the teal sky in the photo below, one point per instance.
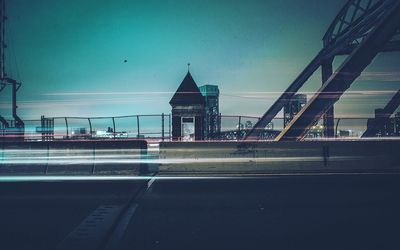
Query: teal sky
(70, 54)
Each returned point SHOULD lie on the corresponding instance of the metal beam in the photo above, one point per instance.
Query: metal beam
(2, 38)
(4, 122)
(327, 71)
(391, 46)
(2, 46)
(370, 13)
(4, 80)
(334, 88)
(386, 113)
(332, 47)
(284, 98)
(15, 86)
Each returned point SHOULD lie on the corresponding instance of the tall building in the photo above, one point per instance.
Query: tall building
(293, 107)
(382, 126)
(188, 111)
(212, 122)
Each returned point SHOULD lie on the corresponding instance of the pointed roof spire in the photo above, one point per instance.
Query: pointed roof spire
(187, 92)
(188, 67)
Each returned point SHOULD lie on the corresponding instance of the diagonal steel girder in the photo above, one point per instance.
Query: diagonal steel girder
(386, 113)
(341, 80)
(361, 26)
(342, 25)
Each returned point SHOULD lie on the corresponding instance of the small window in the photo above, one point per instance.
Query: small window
(187, 119)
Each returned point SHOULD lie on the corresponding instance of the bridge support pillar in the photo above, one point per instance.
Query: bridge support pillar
(329, 123)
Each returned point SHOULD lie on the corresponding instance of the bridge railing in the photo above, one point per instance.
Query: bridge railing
(236, 127)
(158, 127)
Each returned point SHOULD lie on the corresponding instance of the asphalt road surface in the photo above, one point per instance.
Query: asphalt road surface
(348, 211)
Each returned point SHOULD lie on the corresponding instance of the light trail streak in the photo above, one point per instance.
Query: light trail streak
(84, 157)
(56, 178)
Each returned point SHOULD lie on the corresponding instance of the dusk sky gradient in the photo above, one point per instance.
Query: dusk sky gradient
(70, 55)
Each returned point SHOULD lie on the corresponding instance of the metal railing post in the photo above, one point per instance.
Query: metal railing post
(169, 125)
(138, 126)
(66, 126)
(162, 126)
(337, 124)
(238, 131)
(113, 121)
(90, 127)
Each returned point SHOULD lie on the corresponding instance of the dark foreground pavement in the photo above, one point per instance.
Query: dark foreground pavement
(270, 212)
(39, 215)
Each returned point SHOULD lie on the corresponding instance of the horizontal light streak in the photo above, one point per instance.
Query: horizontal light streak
(120, 160)
(251, 93)
(54, 178)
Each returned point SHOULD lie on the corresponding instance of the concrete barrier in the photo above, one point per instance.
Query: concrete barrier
(16, 157)
(73, 157)
(280, 157)
(119, 156)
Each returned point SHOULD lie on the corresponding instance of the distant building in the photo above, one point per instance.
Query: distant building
(345, 133)
(384, 126)
(293, 107)
(212, 122)
(188, 111)
(316, 131)
(80, 133)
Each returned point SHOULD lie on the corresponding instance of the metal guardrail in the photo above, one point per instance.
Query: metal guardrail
(159, 127)
(236, 128)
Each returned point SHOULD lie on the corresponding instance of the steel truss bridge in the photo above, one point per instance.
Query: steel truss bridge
(361, 30)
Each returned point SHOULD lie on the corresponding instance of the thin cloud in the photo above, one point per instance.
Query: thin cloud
(380, 76)
(245, 94)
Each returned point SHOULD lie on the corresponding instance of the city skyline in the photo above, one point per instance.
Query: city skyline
(96, 58)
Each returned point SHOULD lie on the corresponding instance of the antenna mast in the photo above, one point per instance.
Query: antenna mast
(18, 129)
(3, 19)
